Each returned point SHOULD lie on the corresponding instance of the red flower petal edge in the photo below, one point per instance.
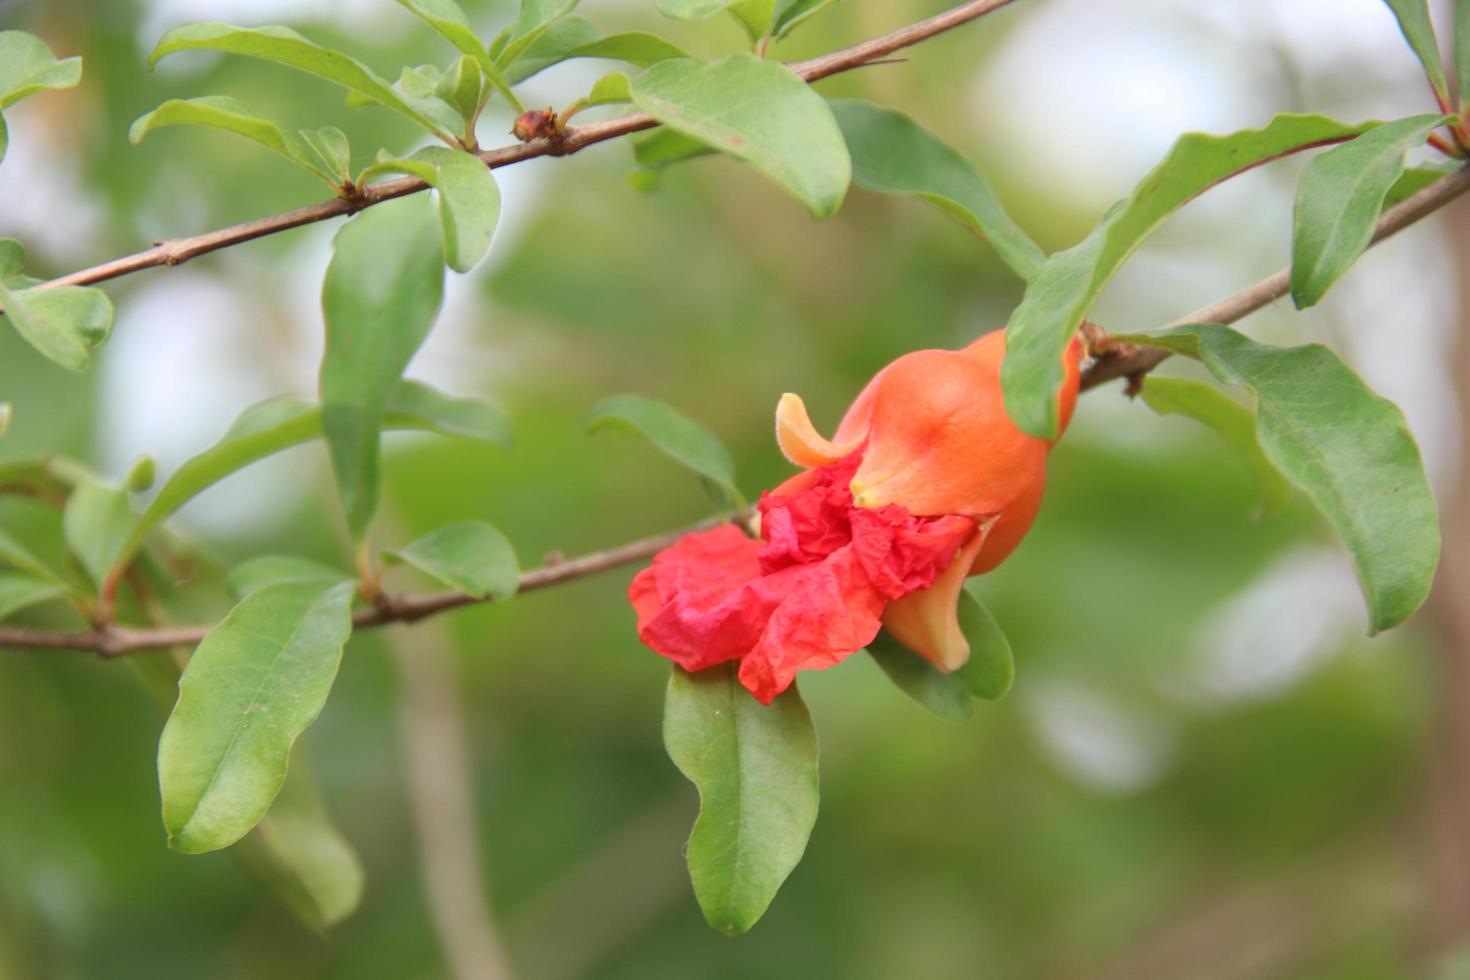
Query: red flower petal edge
(806, 597)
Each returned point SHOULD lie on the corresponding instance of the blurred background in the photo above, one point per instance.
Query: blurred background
(1205, 769)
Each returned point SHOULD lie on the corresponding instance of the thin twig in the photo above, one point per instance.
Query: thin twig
(180, 250)
(1132, 362)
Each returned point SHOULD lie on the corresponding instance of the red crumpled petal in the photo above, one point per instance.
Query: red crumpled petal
(807, 598)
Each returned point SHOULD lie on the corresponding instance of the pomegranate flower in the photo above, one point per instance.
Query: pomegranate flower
(926, 481)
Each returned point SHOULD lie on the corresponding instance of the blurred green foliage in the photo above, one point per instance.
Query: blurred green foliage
(1279, 822)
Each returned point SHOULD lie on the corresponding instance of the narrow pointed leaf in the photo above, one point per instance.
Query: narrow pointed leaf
(468, 198)
(1060, 294)
(894, 154)
(1414, 21)
(1340, 198)
(286, 47)
(380, 299)
(758, 111)
(535, 19)
(1231, 420)
(473, 557)
(64, 323)
(21, 590)
(471, 418)
(232, 116)
(947, 695)
(98, 521)
(256, 573)
(27, 66)
(756, 770)
(991, 667)
(673, 433)
(788, 14)
(550, 47)
(1347, 448)
(1462, 50)
(252, 687)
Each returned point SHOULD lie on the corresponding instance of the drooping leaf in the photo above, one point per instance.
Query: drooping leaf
(991, 667)
(64, 323)
(676, 435)
(98, 521)
(252, 687)
(232, 116)
(1231, 420)
(256, 573)
(1060, 294)
(894, 154)
(947, 695)
(21, 590)
(27, 66)
(1339, 200)
(469, 199)
(1347, 448)
(301, 857)
(286, 47)
(280, 423)
(756, 770)
(758, 111)
(1414, 21)
(380, 298)
(788, 14)
(472, 556)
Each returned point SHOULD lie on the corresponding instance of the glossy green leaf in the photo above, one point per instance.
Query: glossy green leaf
(380, 298)
(1414, 21)
(676, 435)
(1349, 449)
(758, 111)
(256, 573)
(252, 687)
(286, 47)
(991, 667)
(947, 695)
(64, 322)
(12, 258)
(27, 66)
(1340, 198)
(788, 14)
(98, 522)
(1231, 420)
(894, 154)
(1060, 294)
(756, 770)
(301, 857)
(20, 590)
(468, 198)
(232, 116)
(473, 557)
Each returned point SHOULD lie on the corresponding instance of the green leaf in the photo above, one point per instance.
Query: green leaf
(757, 111)
(894, 154)
(98, 522)
(635, 47)
(659, 150)
(4, 136)
(449, 20)
(1461, 44)
(536, 17)
(12, 258)
(790, 13)
(692, 9)
(301, 857)
(469, 199)
(461, 87)
(674, 434)
(1413, 180)
(991, 667)
(140, 475)
(756, 770)
(32, 541)
(431, 409)
(1349, 449)
(256, 573)
(286, 47)
(1340, 198)
(1231, 420)
(380, 299)
(232, 116)
(6, 414)
(947, 695)
(755, 16)
(331, 147)
(613, 87)
(19, 590)
(1060, 294)
(27, 66)
(551, 47)
(63, 322)
(1413, 18)
(255, 683)
(472, 556)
